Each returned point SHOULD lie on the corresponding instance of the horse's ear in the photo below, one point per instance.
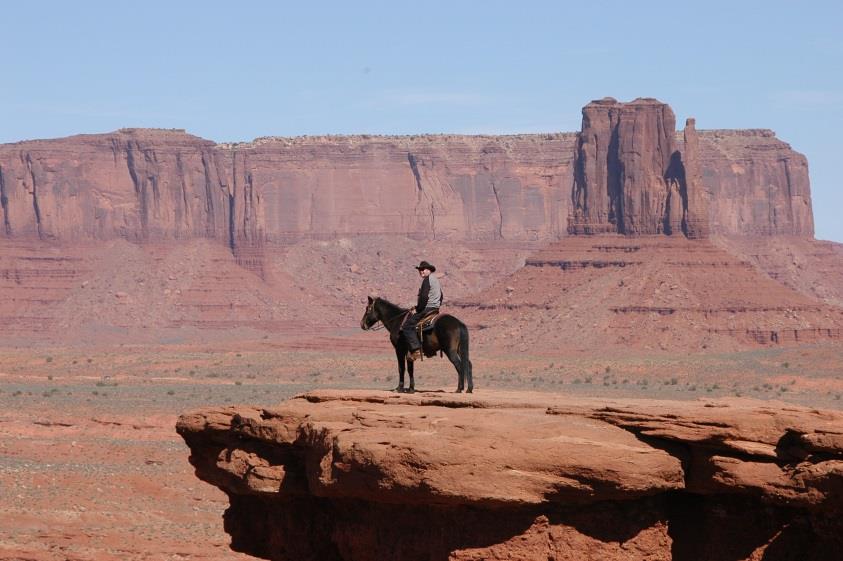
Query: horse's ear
(371, 299)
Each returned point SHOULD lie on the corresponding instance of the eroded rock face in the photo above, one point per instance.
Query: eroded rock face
(357, 475)
(759, 186)
(695, 213)
(631, 178)
(151, 185)
(635, 175)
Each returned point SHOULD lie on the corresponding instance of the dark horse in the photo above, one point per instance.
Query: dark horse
(449, 335)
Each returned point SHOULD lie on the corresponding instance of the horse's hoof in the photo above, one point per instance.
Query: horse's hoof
(399, 389)
(459, 390)
(411, 390)
(470, 390)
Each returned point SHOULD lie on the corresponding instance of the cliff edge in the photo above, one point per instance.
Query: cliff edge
(364, 475)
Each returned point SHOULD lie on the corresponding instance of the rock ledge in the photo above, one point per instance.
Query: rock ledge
(373, 475)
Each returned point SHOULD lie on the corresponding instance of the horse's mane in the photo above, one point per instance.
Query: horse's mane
(393, 308)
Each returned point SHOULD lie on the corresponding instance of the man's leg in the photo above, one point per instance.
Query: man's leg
(410, 334)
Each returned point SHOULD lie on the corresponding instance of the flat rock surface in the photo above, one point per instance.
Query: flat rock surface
(516, 448)
(367, 475)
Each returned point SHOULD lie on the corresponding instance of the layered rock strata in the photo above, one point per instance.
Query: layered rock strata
(649, 292)
(152, 185)
(364, 475)
(634, 175)
(631, 178)
(759, 187)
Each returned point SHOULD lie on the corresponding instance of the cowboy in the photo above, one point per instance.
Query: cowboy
(430, 298)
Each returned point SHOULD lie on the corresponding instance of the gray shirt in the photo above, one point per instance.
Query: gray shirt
(434, 297)
(430, 294)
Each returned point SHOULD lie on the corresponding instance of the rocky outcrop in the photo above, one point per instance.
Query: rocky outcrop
(363, 475)
(757, 185)
(630, 178)
(665, 292)
(157, 184)
(635, 175)
(695, 213)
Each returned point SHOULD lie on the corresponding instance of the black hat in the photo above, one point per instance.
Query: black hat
(426, 265)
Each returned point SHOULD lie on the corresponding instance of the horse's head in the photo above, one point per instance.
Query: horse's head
(370, 317)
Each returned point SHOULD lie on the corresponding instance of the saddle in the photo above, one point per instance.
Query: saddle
(427, 323)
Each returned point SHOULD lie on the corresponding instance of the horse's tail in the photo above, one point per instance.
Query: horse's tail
(465, 362)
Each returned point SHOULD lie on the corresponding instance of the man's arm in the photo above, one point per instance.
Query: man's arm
(424, 293)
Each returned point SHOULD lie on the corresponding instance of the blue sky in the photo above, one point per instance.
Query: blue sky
(232, 71)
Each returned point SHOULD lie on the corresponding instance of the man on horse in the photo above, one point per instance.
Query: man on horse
(430, 298)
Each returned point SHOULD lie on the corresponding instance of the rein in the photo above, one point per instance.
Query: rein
(379, 325)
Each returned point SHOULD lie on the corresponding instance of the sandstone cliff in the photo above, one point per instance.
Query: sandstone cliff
(633, 175)
(758, 185)
(625, 179)
(147, 185)
(364, 475)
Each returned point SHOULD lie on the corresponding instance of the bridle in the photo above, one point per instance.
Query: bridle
(379, 324)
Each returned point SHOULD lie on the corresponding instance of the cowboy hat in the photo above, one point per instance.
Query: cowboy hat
(426, 265)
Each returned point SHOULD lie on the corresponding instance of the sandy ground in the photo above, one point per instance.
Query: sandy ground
(91, 466)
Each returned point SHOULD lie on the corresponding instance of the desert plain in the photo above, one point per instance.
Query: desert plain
(149, 274)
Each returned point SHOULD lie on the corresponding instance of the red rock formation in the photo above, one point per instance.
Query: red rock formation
(141, 184)
(365, 475)
(758, 185)
(150, 185)
(599, 292)
(695, 214)
(630, 178)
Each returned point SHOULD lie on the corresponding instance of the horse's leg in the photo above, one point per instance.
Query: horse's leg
(466, 376)
(412, 388)
(455, 359)
(470, 377)
(466, 372)
(410, 367)
(400, 354)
